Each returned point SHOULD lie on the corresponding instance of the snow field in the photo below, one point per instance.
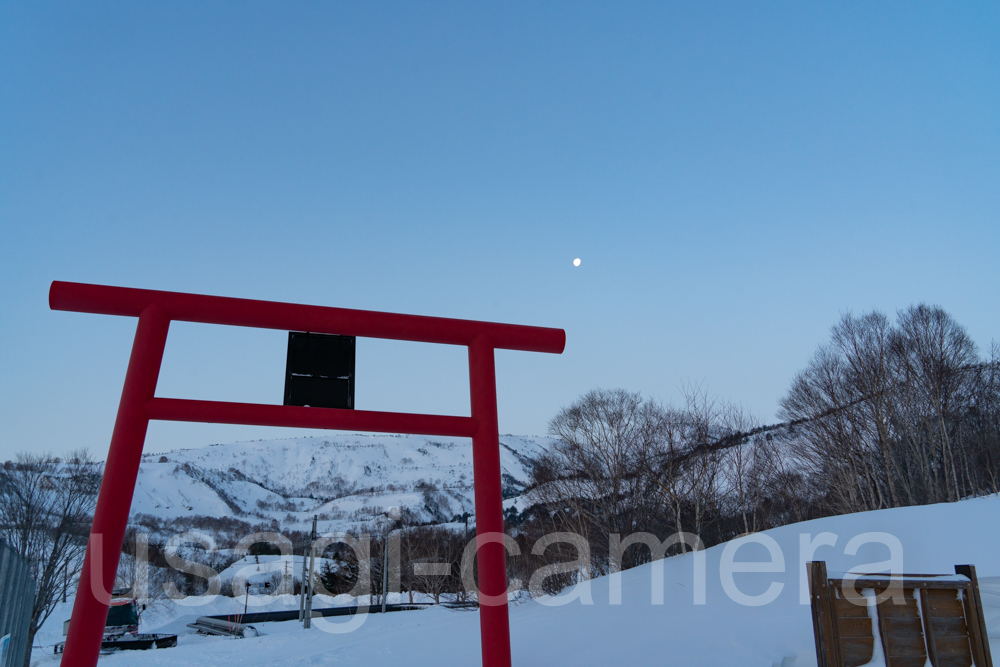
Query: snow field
(582, 627)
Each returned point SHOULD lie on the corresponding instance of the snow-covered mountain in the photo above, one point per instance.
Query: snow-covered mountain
(347, 479)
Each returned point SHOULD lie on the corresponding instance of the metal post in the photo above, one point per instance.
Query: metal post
(90, 609)
(307, 621)
(494, 622)
(12, 573)
(17, 593)
(302, 587)
(385, 569)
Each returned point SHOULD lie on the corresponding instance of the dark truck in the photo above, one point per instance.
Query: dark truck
(121, 631)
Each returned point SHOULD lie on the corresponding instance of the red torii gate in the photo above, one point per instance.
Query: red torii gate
(139, 404)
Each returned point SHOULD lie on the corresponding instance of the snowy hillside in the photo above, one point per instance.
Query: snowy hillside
(590, 630)
(346, 479)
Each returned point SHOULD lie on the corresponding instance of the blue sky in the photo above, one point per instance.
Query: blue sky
(734, 176)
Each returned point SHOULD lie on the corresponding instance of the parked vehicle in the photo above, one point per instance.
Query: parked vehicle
(121, 630)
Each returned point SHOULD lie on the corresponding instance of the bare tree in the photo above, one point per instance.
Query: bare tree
(46, 506)
(142, 579)
(935, 357)
(433, 557)
(683, 463)
(840, 408)
(746, 469)
(592, 477)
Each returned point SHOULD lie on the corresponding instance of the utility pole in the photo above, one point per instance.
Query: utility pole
(307, 620)
(460, 595)
(385, 568)
(395, 515)
(302, 588)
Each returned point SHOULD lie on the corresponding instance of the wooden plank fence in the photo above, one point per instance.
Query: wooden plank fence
(917, 617)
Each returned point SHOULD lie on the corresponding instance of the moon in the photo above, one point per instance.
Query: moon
(576, 262)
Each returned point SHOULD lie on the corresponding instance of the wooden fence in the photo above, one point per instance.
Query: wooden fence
(910, 618)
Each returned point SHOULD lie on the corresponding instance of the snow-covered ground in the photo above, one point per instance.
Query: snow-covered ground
(262, 568)
(720, 632)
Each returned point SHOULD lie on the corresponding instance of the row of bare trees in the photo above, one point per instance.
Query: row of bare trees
(888, 415)
(624, 464)
(885, 415)
(423, 559)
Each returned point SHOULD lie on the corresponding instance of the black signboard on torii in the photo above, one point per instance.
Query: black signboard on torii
(319, 372)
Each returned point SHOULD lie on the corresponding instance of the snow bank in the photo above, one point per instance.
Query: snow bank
(585, 629)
